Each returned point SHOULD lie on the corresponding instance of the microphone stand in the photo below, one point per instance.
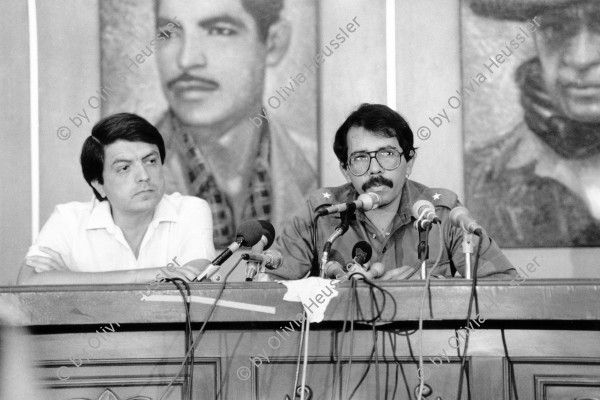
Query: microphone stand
(423, 248)
(212, 270)
(467, 248)
(315, 267)
(339, 231)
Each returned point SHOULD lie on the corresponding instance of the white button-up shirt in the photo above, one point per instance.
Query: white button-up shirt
(88, 240)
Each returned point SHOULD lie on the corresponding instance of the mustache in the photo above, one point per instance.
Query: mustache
(187, 77)
(578, 80)
(377, 180)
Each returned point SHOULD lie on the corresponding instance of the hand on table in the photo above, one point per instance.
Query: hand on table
(44, 264)
(187, 272)
(399, 273)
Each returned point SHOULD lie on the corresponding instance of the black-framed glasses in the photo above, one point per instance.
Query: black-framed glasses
(388, 158)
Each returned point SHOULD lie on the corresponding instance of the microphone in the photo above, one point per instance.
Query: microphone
(268, 234)
(377, 269)
(359, 272)
(339, 231)
(334, 270)
(247, 235)
(365, 202)
(361, 252)
(461, 218)
(424, 212)
(272, 259)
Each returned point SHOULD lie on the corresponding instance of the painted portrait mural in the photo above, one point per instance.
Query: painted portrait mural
(231, 86)
(532, 120)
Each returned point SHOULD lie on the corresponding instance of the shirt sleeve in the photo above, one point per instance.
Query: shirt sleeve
(295, 245)
(196, 231)
(56, 234)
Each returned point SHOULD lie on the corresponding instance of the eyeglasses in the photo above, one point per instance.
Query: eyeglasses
(359, 163)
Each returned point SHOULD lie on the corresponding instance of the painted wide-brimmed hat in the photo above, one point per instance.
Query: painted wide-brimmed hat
(519, 9)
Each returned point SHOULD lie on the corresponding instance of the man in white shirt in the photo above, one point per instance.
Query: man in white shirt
(131, 232)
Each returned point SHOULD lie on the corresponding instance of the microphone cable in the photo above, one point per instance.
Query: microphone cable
(373, 304)
(513, 387)
(425, 291)
(352, 309)
(315, 267)
(338, 367)
(472, 297)
(299, 356)
(392, 337)
(373, 299)
(305, 362)
(376, 312)
(189, 360)
(364, 375)
(201, 332)
(344, 225)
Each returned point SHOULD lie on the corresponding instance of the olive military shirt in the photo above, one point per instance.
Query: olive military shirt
(395, 248)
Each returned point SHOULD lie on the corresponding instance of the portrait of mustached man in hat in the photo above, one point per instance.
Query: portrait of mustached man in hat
(539, 184)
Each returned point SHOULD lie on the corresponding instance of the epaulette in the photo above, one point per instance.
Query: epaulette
(330, 195)
(441, 197)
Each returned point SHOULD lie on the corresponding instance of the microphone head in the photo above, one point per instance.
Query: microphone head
(250, 232)
(457, 213)
(321, 210)
(364, 248)
(377, 269)
(356, 271)
(417, 208)
(461, 218)
(334, 269)
(345, 216)
(276, 259)
(267, 231)
(369, 201)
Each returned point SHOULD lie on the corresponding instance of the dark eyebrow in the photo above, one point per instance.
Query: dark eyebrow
(124, 160)
(379, 149)
(223, 18)
(119, 160)
(152, 153)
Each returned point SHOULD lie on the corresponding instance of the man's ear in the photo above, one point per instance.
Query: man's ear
(278, 41)
(99, 188)
(345, 173)
(411, 162)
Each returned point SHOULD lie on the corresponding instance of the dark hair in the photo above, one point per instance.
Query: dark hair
(381, 121)
(265, 13)
(123, 126)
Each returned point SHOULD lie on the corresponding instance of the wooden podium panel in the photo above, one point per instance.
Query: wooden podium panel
(537, 340)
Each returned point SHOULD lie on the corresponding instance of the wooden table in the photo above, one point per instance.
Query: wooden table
(539, 339)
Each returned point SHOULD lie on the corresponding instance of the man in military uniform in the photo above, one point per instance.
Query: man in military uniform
(375, 149)
(539, 185)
